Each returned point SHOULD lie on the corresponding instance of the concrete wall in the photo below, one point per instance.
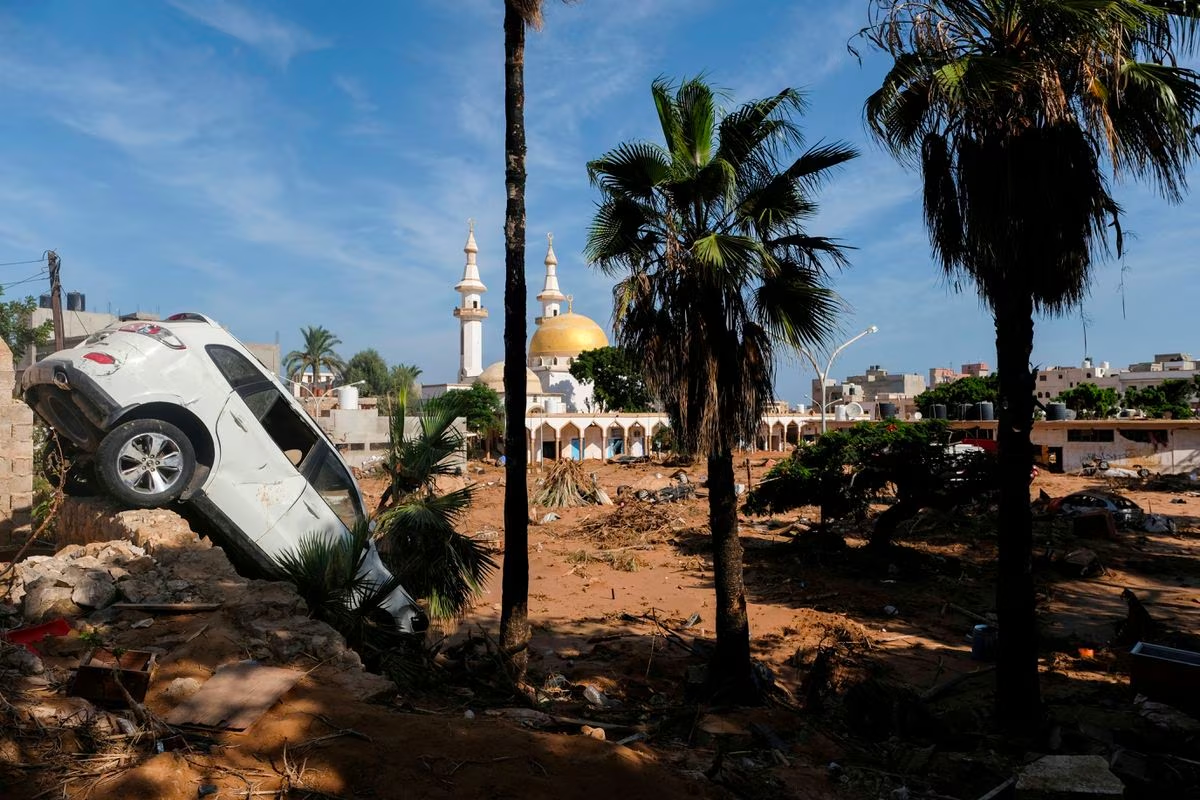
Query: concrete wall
(16, 455)
(1169, 450)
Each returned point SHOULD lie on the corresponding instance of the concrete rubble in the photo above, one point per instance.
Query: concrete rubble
(160, 560)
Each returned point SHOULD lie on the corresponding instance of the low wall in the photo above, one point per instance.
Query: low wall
(16, 456)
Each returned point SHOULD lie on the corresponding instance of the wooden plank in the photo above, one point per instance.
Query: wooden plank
(234, 697)
(168, 608)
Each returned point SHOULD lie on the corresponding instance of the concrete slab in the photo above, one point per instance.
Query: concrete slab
(1068, 778)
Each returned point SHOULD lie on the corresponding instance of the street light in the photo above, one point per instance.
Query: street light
(824, 374)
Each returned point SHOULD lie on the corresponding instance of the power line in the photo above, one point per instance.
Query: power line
(30, 279)
(41, 260)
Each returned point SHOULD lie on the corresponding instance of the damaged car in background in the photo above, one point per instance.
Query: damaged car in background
(180, 411)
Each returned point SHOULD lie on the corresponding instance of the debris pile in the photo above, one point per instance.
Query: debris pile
(631, 524)
(567, 485)
(116, 586)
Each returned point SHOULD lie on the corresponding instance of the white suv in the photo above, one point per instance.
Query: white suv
(180, 410)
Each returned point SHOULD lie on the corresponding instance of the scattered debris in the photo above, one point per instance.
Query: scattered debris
(1167, 674)
(235, 696)
(594, 696)
(110, 677)
(1080, 563)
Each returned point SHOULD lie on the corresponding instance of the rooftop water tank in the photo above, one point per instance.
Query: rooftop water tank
(347, 397)
(1056, 412)
(75, 301)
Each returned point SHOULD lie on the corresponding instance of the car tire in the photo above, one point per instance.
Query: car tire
(146, 463)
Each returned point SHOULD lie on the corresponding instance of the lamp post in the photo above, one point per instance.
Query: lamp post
(824, 374)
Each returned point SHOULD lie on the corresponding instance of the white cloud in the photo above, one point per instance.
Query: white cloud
(279, 39)
(360, 98)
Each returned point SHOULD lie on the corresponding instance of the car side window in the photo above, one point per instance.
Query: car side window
(280, 420)
(236, 368)
(336, 488)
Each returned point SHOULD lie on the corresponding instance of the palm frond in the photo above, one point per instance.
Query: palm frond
(633, 169)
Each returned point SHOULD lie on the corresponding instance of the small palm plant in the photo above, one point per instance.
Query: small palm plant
(328, 574)
(416, 523)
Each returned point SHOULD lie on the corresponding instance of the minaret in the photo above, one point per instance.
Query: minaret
(470, 313)
(550, 297)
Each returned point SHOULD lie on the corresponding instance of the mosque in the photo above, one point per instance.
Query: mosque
(562, 419)
(558, 339)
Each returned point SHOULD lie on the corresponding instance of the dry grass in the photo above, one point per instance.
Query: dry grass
(632, 524)
(568, 485)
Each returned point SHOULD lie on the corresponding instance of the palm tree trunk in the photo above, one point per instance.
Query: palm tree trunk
(514, 603)
(1018, 696)
(731, 678)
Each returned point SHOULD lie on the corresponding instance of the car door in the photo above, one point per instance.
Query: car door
(329, 503)
(256, 481)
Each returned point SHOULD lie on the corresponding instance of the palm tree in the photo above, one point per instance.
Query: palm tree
(1017, 112)
(317, 352)
(416, 523)
(404, 378)
(514, 601)
(706, 235)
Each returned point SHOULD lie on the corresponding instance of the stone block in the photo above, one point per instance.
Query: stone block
(1068, 778)
(20, 448)
(95, 590)
(22, 467)
(46, 601)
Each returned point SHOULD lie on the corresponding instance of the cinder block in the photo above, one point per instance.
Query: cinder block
(22, 467)
(21, 501)
(20, 448)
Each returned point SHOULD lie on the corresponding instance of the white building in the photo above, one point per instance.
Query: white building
(1053, 381)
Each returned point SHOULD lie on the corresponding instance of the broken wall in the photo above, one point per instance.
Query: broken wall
(16, 455)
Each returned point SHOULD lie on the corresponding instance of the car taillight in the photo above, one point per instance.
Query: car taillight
(156, 332)
(100, 358)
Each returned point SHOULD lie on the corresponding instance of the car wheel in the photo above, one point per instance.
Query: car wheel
(146, 463)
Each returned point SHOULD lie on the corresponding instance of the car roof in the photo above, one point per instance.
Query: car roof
(1115, 499)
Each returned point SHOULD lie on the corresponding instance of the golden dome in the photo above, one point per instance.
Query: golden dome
(566, 335)
(493, 378)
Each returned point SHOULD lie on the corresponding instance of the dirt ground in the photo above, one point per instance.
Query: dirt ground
(620, 601)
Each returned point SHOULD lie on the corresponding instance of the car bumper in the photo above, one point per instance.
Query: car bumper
(70, 401)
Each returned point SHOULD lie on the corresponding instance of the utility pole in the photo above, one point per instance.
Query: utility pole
(60, 337)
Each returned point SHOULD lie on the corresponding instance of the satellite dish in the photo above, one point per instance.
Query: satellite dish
(853, 410)
(916, 416)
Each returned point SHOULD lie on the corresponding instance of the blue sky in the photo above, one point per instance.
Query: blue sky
(281, 164)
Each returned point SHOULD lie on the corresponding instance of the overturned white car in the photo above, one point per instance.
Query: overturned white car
(179, 410)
